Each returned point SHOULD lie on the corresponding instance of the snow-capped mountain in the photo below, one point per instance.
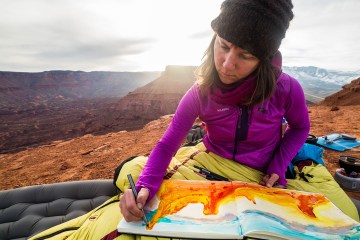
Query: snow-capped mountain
(319, 82)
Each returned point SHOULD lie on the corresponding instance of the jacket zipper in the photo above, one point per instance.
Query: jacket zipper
(238, 126)
(242, 127)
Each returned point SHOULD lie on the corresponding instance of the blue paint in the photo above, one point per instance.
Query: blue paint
(256, 220)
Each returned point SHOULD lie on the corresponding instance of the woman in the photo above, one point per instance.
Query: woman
(242, 97)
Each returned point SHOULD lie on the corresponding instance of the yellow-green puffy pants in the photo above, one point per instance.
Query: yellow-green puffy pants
(104, 219)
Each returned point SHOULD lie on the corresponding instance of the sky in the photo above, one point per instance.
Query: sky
(147, 35)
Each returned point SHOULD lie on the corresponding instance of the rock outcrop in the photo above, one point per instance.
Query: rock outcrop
(349, 95)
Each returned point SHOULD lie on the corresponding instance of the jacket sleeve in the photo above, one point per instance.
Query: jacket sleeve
(187, 111)
(297, 116)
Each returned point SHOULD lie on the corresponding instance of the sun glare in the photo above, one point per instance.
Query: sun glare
(179, 33)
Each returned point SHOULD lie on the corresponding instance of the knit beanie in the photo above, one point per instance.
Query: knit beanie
(257, 26)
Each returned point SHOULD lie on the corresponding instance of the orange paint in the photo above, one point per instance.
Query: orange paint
(175, 195)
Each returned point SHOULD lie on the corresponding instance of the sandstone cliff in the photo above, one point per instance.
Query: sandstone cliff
(153, 100)
(38, 108)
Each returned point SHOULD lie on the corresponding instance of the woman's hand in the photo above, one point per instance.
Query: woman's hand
(130, 208)
(271, 181)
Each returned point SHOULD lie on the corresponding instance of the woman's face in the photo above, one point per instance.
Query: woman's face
(232, 63)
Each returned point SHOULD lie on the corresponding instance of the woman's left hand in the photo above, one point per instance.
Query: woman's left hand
(271, 181)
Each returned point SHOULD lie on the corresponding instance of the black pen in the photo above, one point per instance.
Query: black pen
(210, 175)
(132, 185)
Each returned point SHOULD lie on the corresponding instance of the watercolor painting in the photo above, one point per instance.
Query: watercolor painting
(215, 209)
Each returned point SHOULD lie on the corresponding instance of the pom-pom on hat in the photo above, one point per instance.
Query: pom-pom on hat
(257, 26)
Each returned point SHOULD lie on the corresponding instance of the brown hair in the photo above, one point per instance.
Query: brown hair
(265, 76)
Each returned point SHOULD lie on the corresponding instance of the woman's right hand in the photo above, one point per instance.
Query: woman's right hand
(130, 208)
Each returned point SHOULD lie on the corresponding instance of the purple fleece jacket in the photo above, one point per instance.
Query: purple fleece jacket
(264, 149)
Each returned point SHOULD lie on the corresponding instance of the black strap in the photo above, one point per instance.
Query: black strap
(304, 176)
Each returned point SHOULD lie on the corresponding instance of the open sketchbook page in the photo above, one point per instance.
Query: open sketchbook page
(231, 210)
(265, 212)
(190, 209)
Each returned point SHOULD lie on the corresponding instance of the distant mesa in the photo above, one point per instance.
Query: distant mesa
(319, 83)
(37, 108)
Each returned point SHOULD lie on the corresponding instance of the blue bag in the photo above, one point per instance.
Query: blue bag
(307, 151)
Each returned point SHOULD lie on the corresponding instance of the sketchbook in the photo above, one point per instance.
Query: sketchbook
(236, 210)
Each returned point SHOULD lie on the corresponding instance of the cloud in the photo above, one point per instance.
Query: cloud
(324, 33)
(86, 51)
(62, 34)
(37, 35)
(42, 35)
